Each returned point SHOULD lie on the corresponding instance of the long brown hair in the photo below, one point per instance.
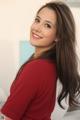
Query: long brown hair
(66, 57)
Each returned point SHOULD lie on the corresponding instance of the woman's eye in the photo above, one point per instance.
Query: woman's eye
(37, 20)
(48, 25)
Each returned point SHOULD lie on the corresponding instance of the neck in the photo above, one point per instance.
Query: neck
(39, 50)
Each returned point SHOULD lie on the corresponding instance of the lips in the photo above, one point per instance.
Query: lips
(36, 36)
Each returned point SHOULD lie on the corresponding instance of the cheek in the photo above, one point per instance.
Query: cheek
(50, 36)
(31, 27)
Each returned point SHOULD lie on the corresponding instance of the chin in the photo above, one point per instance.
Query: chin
(33, 42)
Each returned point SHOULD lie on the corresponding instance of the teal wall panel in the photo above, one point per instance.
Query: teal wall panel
(26, 50)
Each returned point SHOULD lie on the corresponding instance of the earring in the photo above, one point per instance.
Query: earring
(56, 40)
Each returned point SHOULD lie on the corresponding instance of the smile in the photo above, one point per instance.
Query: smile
(36, 36)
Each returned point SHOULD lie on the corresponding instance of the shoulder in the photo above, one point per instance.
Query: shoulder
(40, 67)
(34, 72)
(40, 63)
(37, 66)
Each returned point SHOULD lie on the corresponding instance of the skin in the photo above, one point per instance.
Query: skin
(43, 32)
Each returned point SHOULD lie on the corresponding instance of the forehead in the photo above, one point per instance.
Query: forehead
(47, 14)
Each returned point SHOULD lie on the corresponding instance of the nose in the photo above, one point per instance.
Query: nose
(38, 27)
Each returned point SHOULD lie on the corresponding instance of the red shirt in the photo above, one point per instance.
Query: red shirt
(32, 95)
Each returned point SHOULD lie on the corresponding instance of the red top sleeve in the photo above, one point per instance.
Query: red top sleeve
(25, 88)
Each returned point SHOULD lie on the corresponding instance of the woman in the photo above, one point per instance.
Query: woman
(33, 93)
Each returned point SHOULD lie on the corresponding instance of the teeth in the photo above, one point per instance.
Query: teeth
(36, 36)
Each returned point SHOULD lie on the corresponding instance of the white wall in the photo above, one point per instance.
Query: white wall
(15, 19)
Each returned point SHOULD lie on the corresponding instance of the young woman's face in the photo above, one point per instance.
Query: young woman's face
(43, 29)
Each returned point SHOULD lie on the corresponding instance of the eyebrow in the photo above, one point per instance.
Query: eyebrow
(38, 17)
(47, 21)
